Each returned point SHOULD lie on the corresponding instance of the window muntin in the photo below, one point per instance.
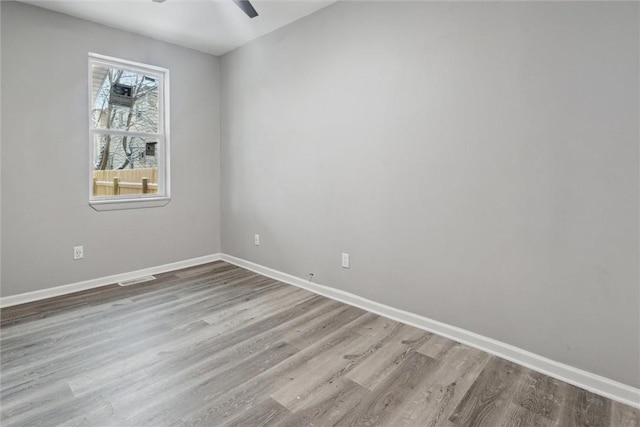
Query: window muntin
(129, 141)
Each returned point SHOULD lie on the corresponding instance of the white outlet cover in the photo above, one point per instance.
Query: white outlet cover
(78, 252)
(256, 239)
(345, 260)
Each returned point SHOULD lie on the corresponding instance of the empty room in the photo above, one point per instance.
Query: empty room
(320, 213)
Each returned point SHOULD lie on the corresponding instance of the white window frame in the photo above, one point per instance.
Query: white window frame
(163, 196)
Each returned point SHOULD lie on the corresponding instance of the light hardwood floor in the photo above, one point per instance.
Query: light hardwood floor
(219, 345)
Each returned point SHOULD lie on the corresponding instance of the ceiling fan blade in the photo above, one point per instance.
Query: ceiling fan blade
(246, 7)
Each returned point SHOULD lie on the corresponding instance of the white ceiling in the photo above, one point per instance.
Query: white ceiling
(211, 26)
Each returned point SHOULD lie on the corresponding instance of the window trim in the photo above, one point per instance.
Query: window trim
(108, 203)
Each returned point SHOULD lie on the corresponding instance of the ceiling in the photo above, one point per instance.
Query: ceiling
(211, 26)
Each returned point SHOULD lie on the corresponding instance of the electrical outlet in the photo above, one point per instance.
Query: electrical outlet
(256, 239)
(345, 260)
(78, 252)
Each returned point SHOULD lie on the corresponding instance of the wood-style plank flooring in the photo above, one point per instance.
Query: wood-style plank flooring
(218, 345)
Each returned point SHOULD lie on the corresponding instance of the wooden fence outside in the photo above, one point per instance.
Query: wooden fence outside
(125, 181)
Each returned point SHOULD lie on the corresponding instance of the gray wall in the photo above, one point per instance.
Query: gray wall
(45, 170)
(478, 160)
(0, 149)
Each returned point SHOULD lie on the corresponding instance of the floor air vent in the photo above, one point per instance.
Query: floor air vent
(137, 280)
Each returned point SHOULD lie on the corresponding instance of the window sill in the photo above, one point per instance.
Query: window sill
(120, 204)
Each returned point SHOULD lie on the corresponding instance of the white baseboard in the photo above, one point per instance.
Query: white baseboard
(586, 380)
(103, 281)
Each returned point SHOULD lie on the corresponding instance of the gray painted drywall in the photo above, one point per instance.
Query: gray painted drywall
(479, 161)
(0, 150)
(45, 171)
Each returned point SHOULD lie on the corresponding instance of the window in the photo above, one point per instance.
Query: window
(128, 134)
